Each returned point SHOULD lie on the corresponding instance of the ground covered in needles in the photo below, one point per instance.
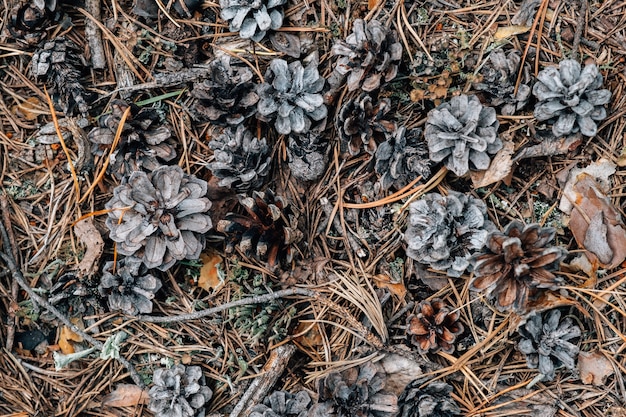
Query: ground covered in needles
(278, 208)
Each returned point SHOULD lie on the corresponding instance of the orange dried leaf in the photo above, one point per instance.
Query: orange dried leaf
(125, 395)
(210, 274)
(508, 31)
(371, 4)
(28, 108)
(312, 338)
(66, 337)
(384, 281)
(594, 367)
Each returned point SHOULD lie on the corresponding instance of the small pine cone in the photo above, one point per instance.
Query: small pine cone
(434, 327)
(241, 160)
(462, 131)
(444, 232)
(402, 158)
(358, 391)
(28, 19)
(179, 392)
(253, 18)
(362, 125)
(433, 400)
(145, 143)
(128, 287)
(291, 95)
(267, 229)
(159, 218)
(571, 97)
(517, 265)
(283, 404)
(60, 63)
(546, 343)
(499, 75)
(227, 97)
(308, 156)
(368, 56)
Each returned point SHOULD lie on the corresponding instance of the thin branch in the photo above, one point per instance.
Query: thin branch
(580, 23)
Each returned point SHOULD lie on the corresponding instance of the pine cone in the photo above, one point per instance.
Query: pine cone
(267, 230)
(29, 19)
(228, 97)
(368, 56)
(253, 18)
(433, 400)
(462, 131)
(517, 265)
(434, 327)
(308, 156)
(358, 391)
(571, 96)
(179, 392)
(241, 160)
(145, 143)
(402, 158)
(499, 75)
(546, 343)
(283, 404)
(444, 232)
(59, 62)
(159, 218)
(291, 94)
(362, 124)
(128, 287)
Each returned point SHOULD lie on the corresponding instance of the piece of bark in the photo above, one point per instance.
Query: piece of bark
(93, 35)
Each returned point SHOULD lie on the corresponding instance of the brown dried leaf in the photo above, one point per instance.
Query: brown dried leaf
(29, 109)
(66, 337)
(371, 4)
(312, 336)
(508, 31)
(594, 367)
(210, 277)
(400, 372)
(499, 168)
(125, 395)
(551, 147)
(384, 281)
(89, 236)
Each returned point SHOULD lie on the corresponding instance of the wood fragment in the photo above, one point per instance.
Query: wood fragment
(93, 35)
(13, 320)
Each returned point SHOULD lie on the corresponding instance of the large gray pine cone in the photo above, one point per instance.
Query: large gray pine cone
(60, 64)
(179, 392)
(253, 18)
(546, 343)
(159, 218)
(308, 156)
(291, 95)
(499, 75)
(462, 131)
(368, 56)
(402, 158)
(145, 143)
(129, 288)
(445, 231)
(433, 400)
(358, 391)
(571, 97)
(228, 96)
(283, 404)
(242, 161)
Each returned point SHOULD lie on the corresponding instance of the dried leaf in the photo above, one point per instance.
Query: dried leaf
(400, 372)
(594, 367)
(126, 395)
(499, 168)
(384, 281)
(549, 147)
(87, 233)
(66, 337)
(211, 274)
(312, 338)
(508, 31)
(371, 4)
(29, 109)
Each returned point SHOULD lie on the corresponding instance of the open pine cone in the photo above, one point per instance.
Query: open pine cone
(144, 145)
(308, 156)
(546, 343)
(28, 19)
(283, 404)
(291, 95)
(241, 160)
(462, 131)
(160, 218)
(267, 229)
(358, 391)
(433, 400)
(227, 97)
(571, 97)
(368, 56)
(253, 18)
(517, 265)
(179, 392)
(129, 288)
(434, 327)
(445, 231)
(362, 124)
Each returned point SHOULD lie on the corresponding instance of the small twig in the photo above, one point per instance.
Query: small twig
(580, 22)
(13, 320)
(93, 35)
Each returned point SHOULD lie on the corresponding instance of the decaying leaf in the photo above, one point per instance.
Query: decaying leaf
(396, 288)
(499, 169)
(400, 372)
(211, 275)
(550, 147)
(594, 367)
(312, 336)
(29, 109)
(595, 223)
(87, 233)
(66, 337)
(508, 31)
(125, 395)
